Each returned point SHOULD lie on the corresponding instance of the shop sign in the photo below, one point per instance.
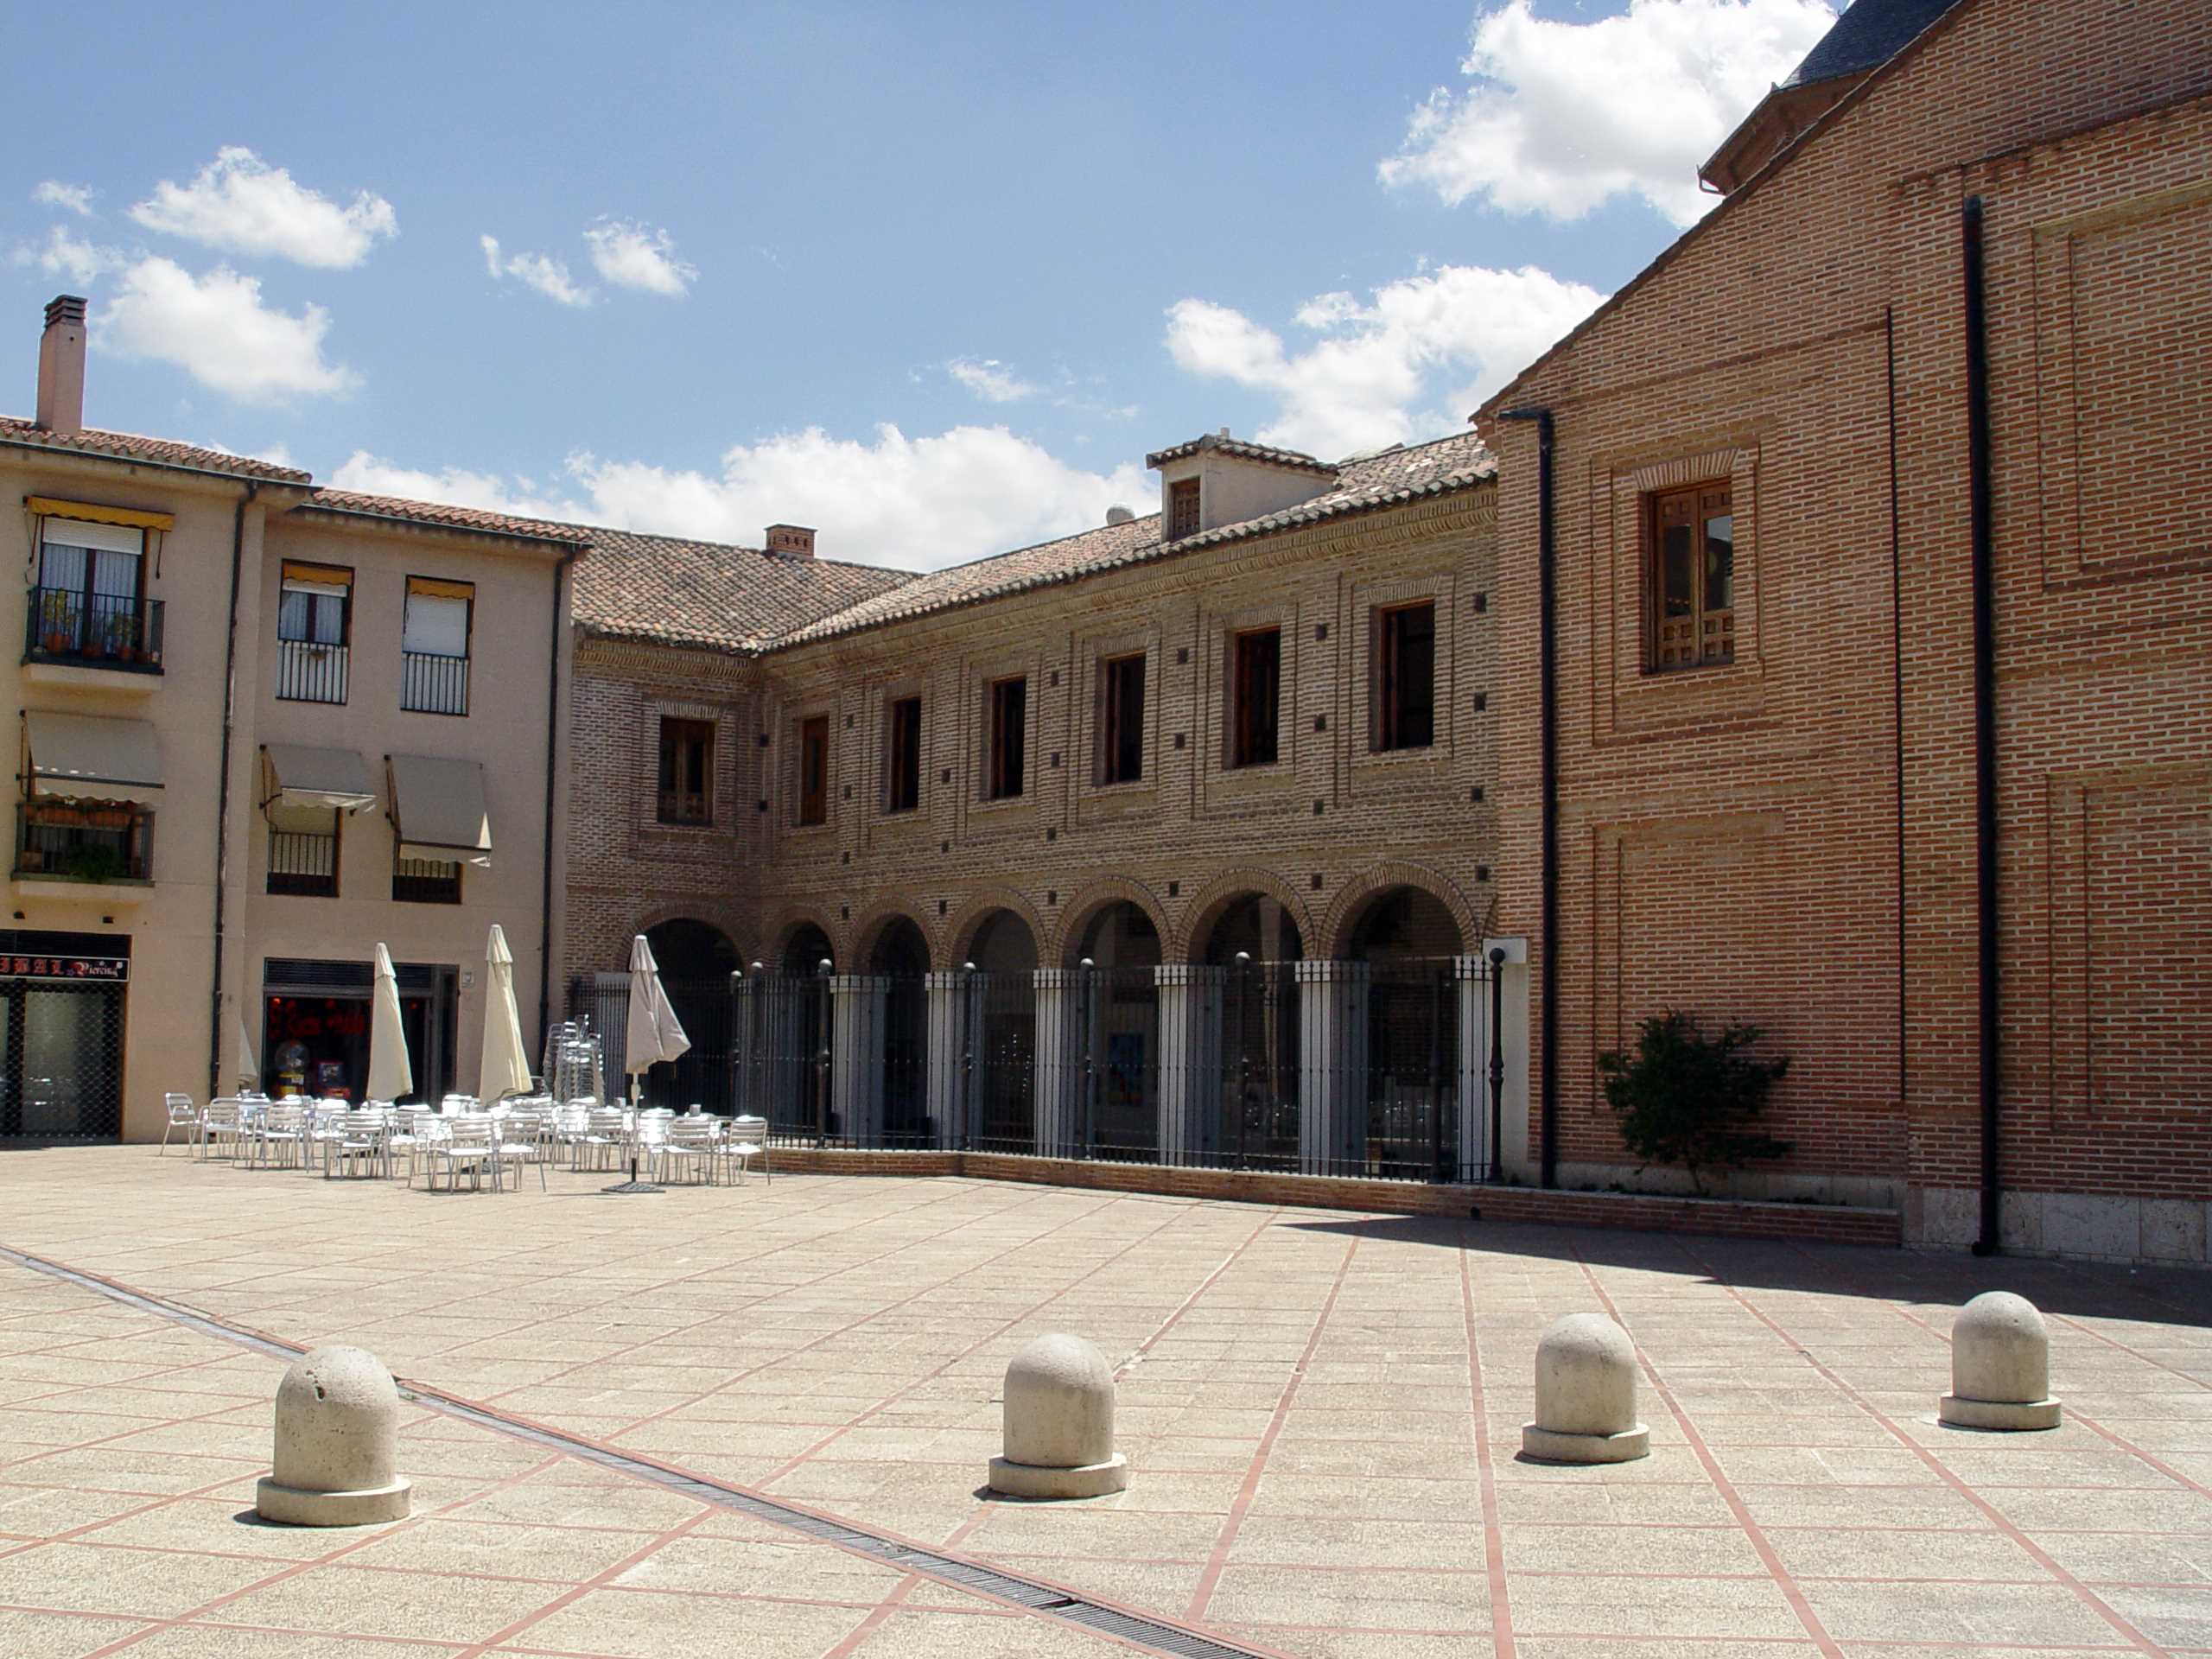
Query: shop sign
(112, 971)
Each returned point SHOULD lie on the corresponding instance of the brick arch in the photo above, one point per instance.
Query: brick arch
(959, 940)
(866, 932)
(1351, 902)
(788, 921)
(1224, 889)
(1091, 900)
(723, 918)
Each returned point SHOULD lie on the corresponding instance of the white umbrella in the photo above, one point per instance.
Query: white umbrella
(249, 1068)
(391, 1076)
(654, 1034)
(505, 1068)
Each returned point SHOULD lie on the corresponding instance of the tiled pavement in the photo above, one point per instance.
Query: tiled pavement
(1322, 1411)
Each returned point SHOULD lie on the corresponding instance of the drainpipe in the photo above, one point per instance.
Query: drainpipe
(1985, 719)
(223, 788)
(1896, 724)
(1548, 698)
(552, 770)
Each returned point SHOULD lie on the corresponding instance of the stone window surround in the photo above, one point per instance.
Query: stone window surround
(1369, 600)
(653, 710)
(878, 764)
(1631, 698)
(795, 718)
(1217, 695)
(978, 676)
(1093, 651)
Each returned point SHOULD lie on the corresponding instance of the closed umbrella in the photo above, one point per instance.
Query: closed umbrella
(391, 1076)
(653, 1035)
(505, 1068)
(249, 1068)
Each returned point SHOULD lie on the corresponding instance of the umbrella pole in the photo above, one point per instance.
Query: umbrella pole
(634, 1185)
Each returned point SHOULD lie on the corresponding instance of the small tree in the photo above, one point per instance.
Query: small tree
(1686, 1098)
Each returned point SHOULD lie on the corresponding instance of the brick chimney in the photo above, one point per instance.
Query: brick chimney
(62, 365)
(792, 541)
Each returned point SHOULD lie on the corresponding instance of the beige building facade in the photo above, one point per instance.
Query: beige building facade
(260, 729)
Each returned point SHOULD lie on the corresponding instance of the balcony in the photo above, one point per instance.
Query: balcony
(309, 670)
(74, 637)
(90, 849)
(425, 882)
(431, 683)
(302, 864)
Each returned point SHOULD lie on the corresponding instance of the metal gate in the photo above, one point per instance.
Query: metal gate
(782, 1057)
(1412, 1072)
(702, 1076)
(1259, 1102)
(1117, 1117)
(1000, 1019)
(62, 1075)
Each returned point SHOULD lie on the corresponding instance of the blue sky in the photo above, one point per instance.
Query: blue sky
(933, 279)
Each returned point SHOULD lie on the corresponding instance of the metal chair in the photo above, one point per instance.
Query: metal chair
(182, 1114)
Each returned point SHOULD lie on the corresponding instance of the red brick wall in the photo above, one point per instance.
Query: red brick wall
(1729, 838)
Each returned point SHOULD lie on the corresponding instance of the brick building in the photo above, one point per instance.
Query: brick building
(1942, 350)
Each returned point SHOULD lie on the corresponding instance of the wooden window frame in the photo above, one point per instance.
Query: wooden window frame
(1183, 502)
(1121, 727)
(330, 575)
(1707, 637)
(902, 751)
(678, 804)
(1006, 760)
(1395, 726)
(814, 757)
(1252, 740)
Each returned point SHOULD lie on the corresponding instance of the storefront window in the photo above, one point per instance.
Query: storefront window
(316, 1046)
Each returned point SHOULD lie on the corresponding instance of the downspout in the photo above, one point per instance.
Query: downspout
(1548, 704)
(223, 789)
(1897, 717)
(1985, 721)
(552, 771)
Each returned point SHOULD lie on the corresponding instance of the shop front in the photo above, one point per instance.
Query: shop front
(62, 1008)
(315, 1021)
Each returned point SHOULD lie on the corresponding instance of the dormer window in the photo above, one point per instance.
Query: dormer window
(1182, 509)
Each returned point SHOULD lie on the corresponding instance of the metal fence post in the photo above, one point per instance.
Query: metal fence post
(821, 1058)
(1498, 1064)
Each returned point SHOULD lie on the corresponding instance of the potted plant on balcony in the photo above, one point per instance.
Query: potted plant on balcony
(122, 637)
(94, 861)
(55, 616)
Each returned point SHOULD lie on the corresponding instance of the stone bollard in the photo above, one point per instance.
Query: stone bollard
(2000, 1366)
(337, 1432)
(1059, 1423)
(1586, 1394)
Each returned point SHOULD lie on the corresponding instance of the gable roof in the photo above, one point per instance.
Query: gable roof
(1867, 36)
(1363, 484)
(671, 591)
(1294, 460)
(394, 509)
(153, 452)
(1773, 165)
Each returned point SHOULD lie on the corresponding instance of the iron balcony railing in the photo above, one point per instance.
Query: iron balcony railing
(430, 683)
(426, 881)
(116, 631)
(303, 863)
(309, 670)
(85, 841)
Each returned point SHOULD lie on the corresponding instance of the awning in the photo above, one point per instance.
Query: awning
(437, 808)
(90, 757)
(130, 517)
(327, 778)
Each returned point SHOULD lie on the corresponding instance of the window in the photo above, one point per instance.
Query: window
(85, 841)
(302, 849)
(1405, 638)
(426, 881)
(687, 771)
(1182, 509)
(1121, 727)
(1692, 582)
(89, 605)
(1009, 729)
(814, 770)
(314, 621)
(1255, 690)
(434, 646)
(902, 775)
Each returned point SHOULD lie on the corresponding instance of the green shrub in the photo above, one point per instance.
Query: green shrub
(1686, 1098)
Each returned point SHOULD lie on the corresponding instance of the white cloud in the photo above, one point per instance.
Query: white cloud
(239, 202)
(69, 257)
(1408, 363)
(1564, 116)
(630, 256)
(915, 503)
(216, 328)
(77, 198)
(549, 276)
(990, 379)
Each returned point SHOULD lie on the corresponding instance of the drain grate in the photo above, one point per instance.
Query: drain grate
(1052, 1601)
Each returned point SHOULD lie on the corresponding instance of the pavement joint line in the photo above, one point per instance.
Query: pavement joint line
(1149, 1632)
